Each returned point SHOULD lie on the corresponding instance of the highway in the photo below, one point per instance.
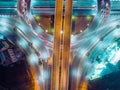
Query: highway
(87, 47)
(31, 45)
(100, 18)
(39, 46)
(88, 50)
